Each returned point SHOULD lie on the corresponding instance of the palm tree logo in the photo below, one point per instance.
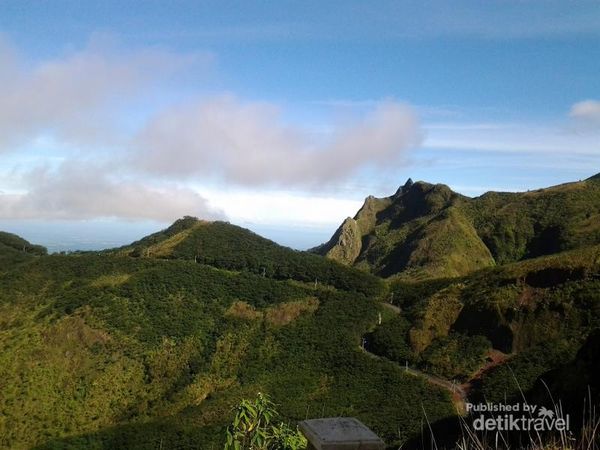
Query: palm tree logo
(545, 413)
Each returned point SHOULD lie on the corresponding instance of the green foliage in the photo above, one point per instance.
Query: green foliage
(542, 309)
(546, 221)
(252, 428)
(447, 245)
(436, 317)
(286, 438)
(410, 295)
(509, 381)
(180, 225)
(391, 340)
(18, 243)
(15, 250)
(108, 351)
(423, 233)
(520, 305)
(455, 356)
(138, 348)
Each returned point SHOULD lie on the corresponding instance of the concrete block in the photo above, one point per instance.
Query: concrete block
(340, 433)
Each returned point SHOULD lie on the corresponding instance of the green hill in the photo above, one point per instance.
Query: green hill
(226, 246)
(15, 250)
(105, 350)
(428, 231)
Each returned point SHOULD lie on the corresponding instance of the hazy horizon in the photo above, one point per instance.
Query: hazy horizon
(59, 236)
(101, 235)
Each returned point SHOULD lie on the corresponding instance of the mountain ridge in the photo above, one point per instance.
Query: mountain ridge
(230, 247)
(429, 231)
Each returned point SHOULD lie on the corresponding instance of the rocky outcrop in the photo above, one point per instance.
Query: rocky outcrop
(346, 243)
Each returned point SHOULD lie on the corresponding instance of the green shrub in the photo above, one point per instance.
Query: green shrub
(455, 356)
(252, 428)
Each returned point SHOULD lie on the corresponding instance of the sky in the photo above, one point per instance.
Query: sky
(118, 117)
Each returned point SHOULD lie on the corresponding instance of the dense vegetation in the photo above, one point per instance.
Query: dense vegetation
(538, 311)
(112, 351)
(15, 250)
(255, 427)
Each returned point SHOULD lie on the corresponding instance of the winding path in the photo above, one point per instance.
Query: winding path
(459, 392)
(391, 307)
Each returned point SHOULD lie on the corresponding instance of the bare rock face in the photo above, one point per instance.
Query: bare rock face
(346, 243)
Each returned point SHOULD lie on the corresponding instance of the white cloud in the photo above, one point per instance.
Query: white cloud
(82, 191)
(248, 143)
(282, 207)
(83, 100)
(511, 138)
(87, 99)
(587, 112)
(73, 97)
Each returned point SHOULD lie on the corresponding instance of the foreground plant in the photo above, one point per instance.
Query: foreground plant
(253, 428)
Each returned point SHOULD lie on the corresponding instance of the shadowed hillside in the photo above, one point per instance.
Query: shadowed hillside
(535, 314)
(15, 250)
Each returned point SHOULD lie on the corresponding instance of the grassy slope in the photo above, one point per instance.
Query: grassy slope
(545, 221)
(541, 309)
(421, 232)
(111, 351)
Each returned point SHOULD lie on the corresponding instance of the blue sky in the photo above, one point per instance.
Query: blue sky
(118, 117)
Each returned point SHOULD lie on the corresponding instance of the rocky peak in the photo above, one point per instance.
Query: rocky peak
(346, 243)
(404, 188)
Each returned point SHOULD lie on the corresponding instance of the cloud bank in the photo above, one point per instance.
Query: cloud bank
(81, 191)
(89, 101)
(248, 143)
(74, 98)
